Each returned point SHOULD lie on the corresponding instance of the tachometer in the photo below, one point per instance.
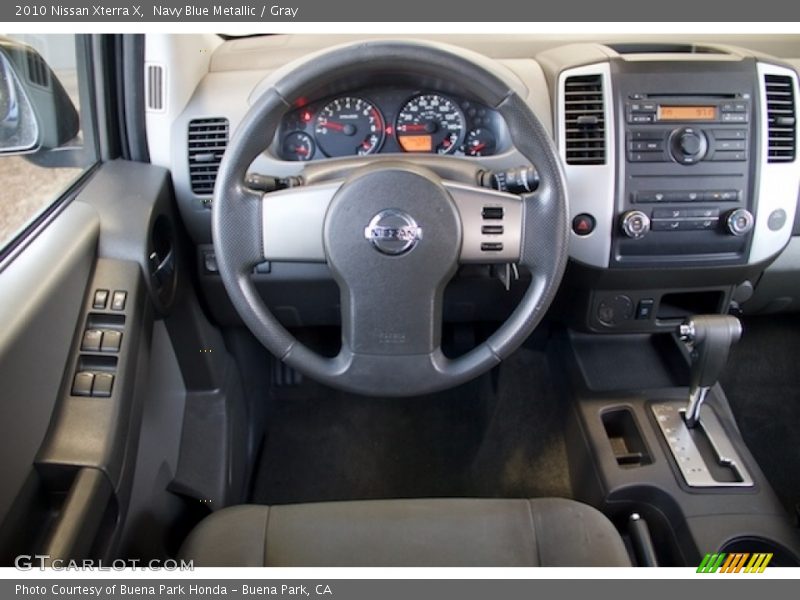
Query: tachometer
(349, 126)
(430, 123)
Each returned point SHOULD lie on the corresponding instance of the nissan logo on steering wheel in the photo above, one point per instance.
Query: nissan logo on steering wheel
(393, 232)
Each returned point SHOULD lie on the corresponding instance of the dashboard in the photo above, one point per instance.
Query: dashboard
(381, 120)
(681, 164)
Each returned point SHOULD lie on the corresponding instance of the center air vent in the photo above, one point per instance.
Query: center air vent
(781, 118)
(208, 139)
(584, 120)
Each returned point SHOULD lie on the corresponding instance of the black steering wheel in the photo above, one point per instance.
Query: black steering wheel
(393, 229)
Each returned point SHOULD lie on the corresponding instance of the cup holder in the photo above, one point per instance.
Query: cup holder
(782, 556)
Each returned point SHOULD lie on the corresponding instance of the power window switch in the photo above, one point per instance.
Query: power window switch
(103, 382)
(112, 340)
(82, 384)
(92, 338)
(118, 300)
(100, 299)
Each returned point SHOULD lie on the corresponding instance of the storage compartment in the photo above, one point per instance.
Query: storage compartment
(677, 306)
(626, 439)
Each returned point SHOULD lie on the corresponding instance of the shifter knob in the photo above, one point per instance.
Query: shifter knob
(710, 338)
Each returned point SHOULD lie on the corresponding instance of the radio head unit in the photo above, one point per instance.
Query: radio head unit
(685, 182)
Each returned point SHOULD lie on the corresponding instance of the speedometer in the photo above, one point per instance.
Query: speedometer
(349, 125)
(430, 123)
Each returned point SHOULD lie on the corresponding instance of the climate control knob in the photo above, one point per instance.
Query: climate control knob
(739, 221)
(688, 145)
(635, 224)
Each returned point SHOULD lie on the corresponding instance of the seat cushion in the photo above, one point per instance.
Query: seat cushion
(426, 532)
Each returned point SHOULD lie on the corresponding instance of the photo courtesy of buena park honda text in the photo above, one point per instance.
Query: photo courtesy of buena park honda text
(352, 300)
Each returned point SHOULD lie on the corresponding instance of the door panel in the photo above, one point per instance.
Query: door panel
(41, 294)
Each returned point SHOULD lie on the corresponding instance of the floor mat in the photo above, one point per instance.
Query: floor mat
(501, 438)
(762, 383)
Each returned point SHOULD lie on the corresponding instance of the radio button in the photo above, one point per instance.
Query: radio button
(647, 197)
(640, 118)
(646, 157)
(646, 134)
(699, 224)
(736, 107)
(706, 213)
(670, 213)
(730, 134)
(666, 225)
(729, 156)
(721, 196)
(730, 145)
(649, 145)
(734, 117)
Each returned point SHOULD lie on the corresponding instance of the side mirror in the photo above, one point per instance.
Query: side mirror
(36, 112)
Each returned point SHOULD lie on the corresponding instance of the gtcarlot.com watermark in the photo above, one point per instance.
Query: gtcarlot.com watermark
(30, 562)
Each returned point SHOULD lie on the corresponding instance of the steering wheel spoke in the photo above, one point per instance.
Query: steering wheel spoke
(491, 223)
(293, 220)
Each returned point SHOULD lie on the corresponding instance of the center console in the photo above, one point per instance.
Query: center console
(683, 178)
(686, 176)
(634, 455)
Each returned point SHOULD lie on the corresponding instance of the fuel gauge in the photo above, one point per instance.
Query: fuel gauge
(298, 146)
(480, 142)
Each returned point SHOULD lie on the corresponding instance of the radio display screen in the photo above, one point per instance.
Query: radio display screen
(687, 113)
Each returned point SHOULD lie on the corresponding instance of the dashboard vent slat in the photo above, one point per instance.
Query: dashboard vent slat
(38, 71)
(207, 141)
(781, 119)
(154, 84)
(584, 120)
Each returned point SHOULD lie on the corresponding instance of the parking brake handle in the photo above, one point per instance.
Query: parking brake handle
(709, 338)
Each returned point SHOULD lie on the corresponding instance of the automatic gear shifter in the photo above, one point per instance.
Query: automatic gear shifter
(710, 338)
(704, 451)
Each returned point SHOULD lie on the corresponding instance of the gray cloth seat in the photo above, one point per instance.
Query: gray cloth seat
(424, 532)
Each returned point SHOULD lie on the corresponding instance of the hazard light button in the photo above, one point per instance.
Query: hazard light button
(583, 224)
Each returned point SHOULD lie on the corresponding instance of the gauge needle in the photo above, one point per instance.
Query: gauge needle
(333, 125)
(413, 127)
(477, 147)
(300, 150)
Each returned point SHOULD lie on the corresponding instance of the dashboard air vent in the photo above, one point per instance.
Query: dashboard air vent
(584, 120)
(781, 118)
(38, 71)
(208, 139)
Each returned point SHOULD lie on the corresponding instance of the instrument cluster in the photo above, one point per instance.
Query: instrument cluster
(389, 120)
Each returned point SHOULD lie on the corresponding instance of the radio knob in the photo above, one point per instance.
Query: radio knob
(689, 145)
(635, 224)
(739, 221)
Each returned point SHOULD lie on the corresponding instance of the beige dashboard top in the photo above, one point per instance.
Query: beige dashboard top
(272, 51)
